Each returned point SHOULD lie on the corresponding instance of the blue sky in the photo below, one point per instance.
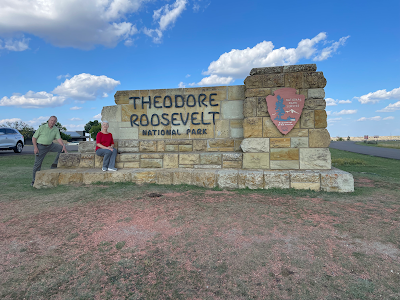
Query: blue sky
(68, 58)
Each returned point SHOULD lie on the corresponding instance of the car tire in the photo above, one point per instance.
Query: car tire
(18, 147)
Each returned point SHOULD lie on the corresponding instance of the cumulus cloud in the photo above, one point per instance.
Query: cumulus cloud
(345, 112)
(75, 119)
(74, 127)
(97, 117)
(344, 101)
(388, 118)
(328, 112)
(328, 51)
(181, 85)
(15, 44)
(238, 63)
(330, 102)
(63, 76)
(75, 108)
(66, 23)
(333, 120)
(379, 96)
(38, 121)
(391, 107)
(12, 120)
(84, 87)
(166, 17)
(33, 100)
(377, 118)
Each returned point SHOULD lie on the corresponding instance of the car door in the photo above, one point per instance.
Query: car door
(3, 138)
(11, 136)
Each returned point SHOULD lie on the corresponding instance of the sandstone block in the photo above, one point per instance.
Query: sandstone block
(320, 119)
(284, 154)
(314, 104)
(319, 138)
(148, 146)
(69, 160)
(46, 179)
(121, 97)
(236, 92)
(70, 177)
(263, 92)
(221, 92)
(255, 160)
(253, 127)
(276, 179)
(87, 147)
(199, 145)
(232, 164)
(236, 147)
(262, 108)
(171, 148)
(111, 113)
(210, 159)
(236, 128)
(269, 129)
(164, 177)
(178, 142)
(87, 160)
(315, 158)
(204, 178)
(207, 166)
(221, 143)
(300, 68)
(92, 176)
(119, 176)
(228, 179)
(182, 177)
(152, 155)
(305, 176)
(299, 142)
(232, 157)
(185, 148)
(129, 133)
(255, 145)
(306, 186)
(314, 80)
(120, 165)
(279, 142)
(336, 180)
(189, 159)
(160, 146)
(151, 163)
(297, 133)
(134, 165)
(222, 129)
(250, 107)
(316, 93)
(141, 177)
(294, 80)
(284, 164)
(266, 70)
(251, 179)
(273, 80)
(254, 82)
(125, 157)
(232, 109)
(307, 119)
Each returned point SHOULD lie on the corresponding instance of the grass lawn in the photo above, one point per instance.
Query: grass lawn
(126, 241)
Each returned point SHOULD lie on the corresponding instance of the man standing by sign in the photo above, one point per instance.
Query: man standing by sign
(43, 143)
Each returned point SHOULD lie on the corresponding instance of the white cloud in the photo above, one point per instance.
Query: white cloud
(166, 17)
(67, 23)
(391, 107)
(215, 80)
(75, 119)
(84, 87)
(181, 85)
(388, 118)
(328, 112)
(38, 121)
(14, 44)
(63, 76)
(33, 100)
(345, 112)
(328, 51)
(379, 96)
(333, 120)
(73, 127)
(330, 102)
(97, 117)
(75, 108)
(187, 75)
(344, 101)
(238, 63)
(12, 120)
(377, 118)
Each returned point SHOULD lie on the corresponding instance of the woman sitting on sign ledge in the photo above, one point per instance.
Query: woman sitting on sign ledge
(105, 147)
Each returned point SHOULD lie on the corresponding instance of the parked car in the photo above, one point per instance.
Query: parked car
(11, 139)
(73, 144)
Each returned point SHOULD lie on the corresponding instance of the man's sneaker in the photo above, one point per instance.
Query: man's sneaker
(53, 166)
(112, 169)
(104, 169)
(32, 183)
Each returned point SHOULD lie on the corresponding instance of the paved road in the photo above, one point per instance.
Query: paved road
(369, 150)
(28, 150)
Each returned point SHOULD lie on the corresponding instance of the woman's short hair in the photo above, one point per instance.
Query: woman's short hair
(105, 122)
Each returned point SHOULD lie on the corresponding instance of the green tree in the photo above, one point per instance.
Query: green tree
(89, 125)
(26, 130)
(94, 131)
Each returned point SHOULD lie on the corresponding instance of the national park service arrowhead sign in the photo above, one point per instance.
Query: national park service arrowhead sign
(285, 108)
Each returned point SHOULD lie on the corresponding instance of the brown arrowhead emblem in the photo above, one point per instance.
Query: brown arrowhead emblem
(285, 108)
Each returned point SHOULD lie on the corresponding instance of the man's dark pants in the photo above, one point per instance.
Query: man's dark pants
(43, 150)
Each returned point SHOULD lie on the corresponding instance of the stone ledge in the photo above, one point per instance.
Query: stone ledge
(333, 180)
